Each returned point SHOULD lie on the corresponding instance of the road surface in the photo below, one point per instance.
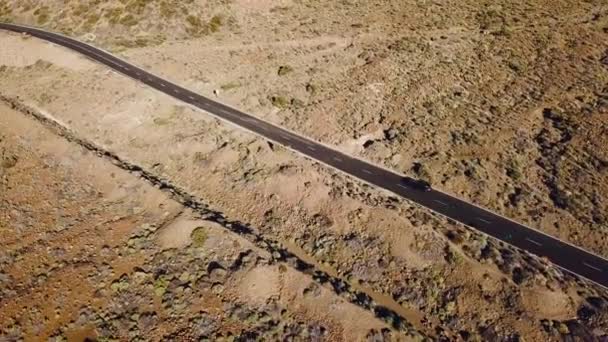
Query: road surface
(563, 254)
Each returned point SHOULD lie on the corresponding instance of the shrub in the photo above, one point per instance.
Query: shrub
(199, 236)
(279, 101)
(42, 14)
(215, 23)
(128, 20)
(284, 70)
(113, 15)
(230, 85)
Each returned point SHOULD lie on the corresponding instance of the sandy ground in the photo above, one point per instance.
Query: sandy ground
(91, 250)
(501, 104)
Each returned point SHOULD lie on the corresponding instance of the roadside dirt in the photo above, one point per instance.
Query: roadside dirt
(502, 104)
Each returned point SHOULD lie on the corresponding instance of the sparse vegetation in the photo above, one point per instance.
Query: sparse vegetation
(198, 157)
(139, 42)
(161, 121)
(5, 10)
(128, 20)
(197, 27)
(113, 15)
(215, 23)
(137, 6)
(80, 17)
(279, 101)
(230, 85)
(311, 89)
(120, 284)
(422, 172)
(42, 15)
(80, 10)
(284, 70)
(443, 93)
(297, 103)
(199, 236)
(160, 286)
(514, 169)
(91, 21)
(490, 19)
(167, 10)
(25, 6)
(279, 9)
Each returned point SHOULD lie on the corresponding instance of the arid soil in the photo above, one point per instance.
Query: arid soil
(503, 104)
(93, 251)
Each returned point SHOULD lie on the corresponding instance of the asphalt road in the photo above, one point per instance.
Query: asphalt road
(566, 256)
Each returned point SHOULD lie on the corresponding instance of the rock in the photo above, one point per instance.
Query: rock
(390, 134)
(8, 160)
(205, 325)
(88, 37)
(218, 274)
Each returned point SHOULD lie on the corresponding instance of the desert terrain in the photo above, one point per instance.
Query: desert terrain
(126, 214)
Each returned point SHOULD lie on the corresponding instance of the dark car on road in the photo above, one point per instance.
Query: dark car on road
(417, 184)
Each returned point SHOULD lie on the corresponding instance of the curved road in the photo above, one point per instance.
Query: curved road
(563, 254)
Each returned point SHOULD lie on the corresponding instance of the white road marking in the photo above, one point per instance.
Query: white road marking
(482, 220)
(337, 159)
(534, 242)
(285, 137)
(440, 202)
(162, 84)
(191, 97)
(311, 148)
(403, 186)
(593, 267)
(367, 171)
